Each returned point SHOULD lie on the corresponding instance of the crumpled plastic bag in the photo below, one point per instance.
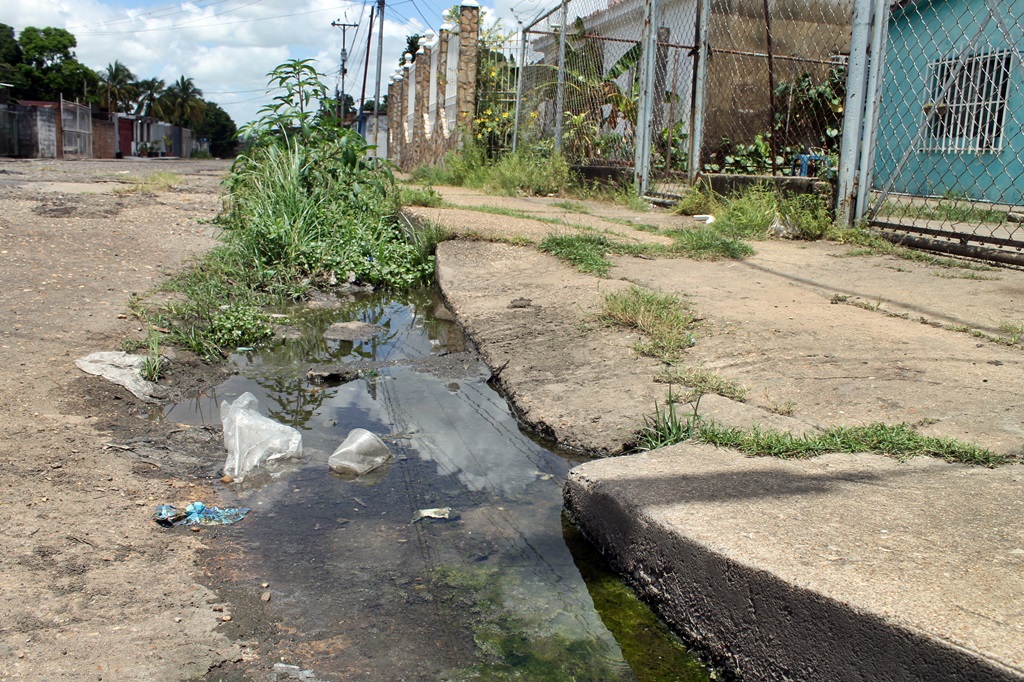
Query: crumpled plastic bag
(359, 454)
(197, 514)
(123, 370)
(253, 440)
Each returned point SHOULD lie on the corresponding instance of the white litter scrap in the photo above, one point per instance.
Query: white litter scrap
(253, 440)
(123, 370)
(435, 513)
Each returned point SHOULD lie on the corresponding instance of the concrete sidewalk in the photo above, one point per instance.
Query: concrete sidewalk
(836, 568)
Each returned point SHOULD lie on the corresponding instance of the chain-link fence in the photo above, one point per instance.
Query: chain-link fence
(775, 86)
(497, 78)
(728, 86)
(580, 81)
(949, 130)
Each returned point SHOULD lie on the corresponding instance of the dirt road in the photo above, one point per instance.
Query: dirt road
(92, 588)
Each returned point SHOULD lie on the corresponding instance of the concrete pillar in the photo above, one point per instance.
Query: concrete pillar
(421, 72)
(469, 34)
(440, 125)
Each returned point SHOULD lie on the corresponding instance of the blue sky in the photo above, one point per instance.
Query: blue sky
(228, 46)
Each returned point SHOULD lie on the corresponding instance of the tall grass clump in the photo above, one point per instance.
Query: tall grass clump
(661, 317)
(526, 171)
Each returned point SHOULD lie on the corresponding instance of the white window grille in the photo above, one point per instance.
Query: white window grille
(971, 115)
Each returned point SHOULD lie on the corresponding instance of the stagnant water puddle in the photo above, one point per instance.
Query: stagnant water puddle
(504, 589)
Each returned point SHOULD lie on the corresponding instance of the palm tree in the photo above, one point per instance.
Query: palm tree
(149, 93)
(117, 87)
(183, 102)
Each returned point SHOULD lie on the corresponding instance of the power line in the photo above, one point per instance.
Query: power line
(159, 12)
(215, 25)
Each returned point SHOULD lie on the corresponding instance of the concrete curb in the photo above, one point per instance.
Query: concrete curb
(750, 614)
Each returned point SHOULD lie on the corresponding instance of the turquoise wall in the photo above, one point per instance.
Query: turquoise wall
(924, 32)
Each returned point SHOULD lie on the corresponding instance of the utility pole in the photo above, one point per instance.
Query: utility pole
(344, 58)
(366, 70)
(376, 89)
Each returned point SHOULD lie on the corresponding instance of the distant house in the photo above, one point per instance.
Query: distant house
(952, 109)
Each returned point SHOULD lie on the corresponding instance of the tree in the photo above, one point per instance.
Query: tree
(10, 58)
(217, 127)
(412, 44)
(118, 90)
(50, 68)
(183, 102)
(149, 93)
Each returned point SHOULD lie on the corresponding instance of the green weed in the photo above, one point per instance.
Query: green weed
(1013, 330)
(663, 318)
(899, 441)
(153, 366)
(584, 252)
(573, 206)
(707, 243)
(161, 181)
(701, 381)
(419, 196)
(697, 201)
(666, 427)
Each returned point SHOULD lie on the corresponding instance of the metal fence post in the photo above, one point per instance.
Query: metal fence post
(519, 86)
(700, 81)
(645, 107)
(853, 123)
(560, 97)
(876, 60)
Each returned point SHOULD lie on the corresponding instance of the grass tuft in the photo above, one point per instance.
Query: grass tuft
(420, 196)
(161, 181)
(701, 381)
(895, 440)
(584, 252)
(663, 318)
(666, 427)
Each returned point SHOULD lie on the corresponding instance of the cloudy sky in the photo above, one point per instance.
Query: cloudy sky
(228, 46)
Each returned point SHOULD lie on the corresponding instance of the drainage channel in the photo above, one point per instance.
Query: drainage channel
(336, 577)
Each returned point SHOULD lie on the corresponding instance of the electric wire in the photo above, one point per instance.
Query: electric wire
(216, 25)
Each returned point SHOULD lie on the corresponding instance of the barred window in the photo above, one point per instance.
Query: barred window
(971, 115)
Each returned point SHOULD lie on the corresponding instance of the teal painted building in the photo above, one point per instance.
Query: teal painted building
(952, 105)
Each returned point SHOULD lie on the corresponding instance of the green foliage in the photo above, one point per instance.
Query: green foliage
(584, 252)
(49, 68)
(663, 318)
(808, 213)
(749, 214)
(526, 171)
(899, 441)
(153, 366)
(666, 427)
(217, 127)
(239, 325)
(698, 200)
(118, 90)
(182, 102)
(702, 381)
(420, 196)
(706, 243)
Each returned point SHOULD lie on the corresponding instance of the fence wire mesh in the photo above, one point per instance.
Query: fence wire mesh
(580, 81)
(949, 141)
(776, 86)
(497, 78)
(773, 94)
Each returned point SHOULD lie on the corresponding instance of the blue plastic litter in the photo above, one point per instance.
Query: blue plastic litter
(197, 514)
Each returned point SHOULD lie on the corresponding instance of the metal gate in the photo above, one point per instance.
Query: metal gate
(76, 122)
(949, 138)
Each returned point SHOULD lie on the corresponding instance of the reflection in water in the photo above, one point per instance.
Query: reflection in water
(493, 593)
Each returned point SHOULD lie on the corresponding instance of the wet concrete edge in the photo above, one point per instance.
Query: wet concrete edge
(749, 621)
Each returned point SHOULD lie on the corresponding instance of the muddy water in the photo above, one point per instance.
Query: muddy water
(358, 590)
